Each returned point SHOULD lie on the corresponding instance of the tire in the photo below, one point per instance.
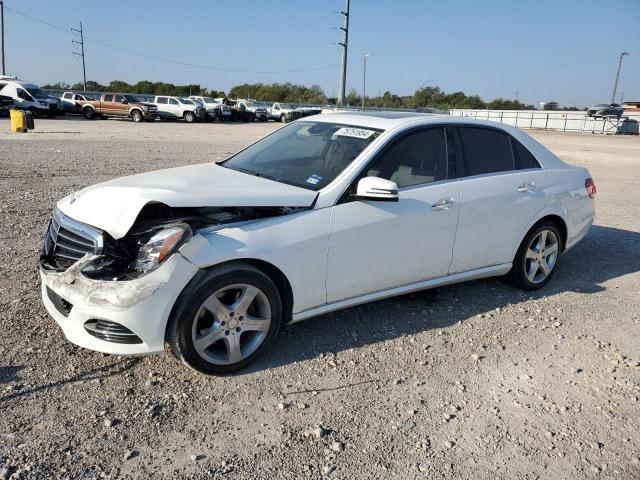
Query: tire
(229, 329)
(283, 118)
(189, 117)
(89, 113)
(137, 116)
(528, 271)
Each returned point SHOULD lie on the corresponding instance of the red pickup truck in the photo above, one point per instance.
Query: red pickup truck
(118, 105)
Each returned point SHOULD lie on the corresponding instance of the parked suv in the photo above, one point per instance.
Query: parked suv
(30, 97)
(178, 107)
(325, 213)
(118, 105)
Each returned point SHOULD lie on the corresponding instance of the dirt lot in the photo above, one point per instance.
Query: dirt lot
(474, 381)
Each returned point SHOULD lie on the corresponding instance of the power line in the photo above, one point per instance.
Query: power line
(495, 69)
(170, 60)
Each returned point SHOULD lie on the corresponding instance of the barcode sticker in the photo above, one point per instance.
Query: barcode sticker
(355, 132)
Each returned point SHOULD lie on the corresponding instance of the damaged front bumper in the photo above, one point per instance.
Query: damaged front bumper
(141, 306)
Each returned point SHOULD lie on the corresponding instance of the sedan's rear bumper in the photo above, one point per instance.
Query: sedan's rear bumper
(125, 317)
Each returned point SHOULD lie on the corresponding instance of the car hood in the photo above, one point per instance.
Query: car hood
(113, 206)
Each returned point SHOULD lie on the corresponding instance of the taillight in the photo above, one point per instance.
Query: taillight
(590, 186)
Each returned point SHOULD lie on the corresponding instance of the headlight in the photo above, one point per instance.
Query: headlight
(160, 246)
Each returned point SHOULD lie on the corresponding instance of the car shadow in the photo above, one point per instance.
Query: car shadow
(606, 253)
(9, 375)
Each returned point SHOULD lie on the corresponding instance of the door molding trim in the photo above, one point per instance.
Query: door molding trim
(491, 271)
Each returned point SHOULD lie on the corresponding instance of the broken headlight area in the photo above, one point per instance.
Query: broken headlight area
(140, 252)
(159, 231)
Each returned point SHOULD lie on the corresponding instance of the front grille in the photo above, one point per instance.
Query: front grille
(60, 303)
(67, 241)
(111, 332)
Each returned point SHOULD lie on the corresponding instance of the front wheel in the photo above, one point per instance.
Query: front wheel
(189, 117)
(225, 319)
(538, 256)
(136, 116)
(89, 113)
(283, 118)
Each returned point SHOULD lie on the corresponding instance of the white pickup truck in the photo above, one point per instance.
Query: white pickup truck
(214, 107)
(172, 108)
(69, 101)
(283, 112)
(258, 109)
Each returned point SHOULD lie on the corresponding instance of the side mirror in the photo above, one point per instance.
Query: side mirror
(124, 100)
(375, 188)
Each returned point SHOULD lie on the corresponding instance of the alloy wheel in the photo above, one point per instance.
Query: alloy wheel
(231, 324)
(541, 256)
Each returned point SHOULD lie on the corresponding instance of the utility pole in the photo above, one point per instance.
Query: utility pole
(364, 79)
(344, 44)
(2, 34)
(615, 85)
(81, 54)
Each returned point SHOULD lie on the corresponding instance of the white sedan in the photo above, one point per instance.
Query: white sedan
(322, 214)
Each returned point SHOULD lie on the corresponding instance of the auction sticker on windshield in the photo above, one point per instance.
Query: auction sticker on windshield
(355, 132)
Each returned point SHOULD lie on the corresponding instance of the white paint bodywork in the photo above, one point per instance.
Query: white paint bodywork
(334, 255)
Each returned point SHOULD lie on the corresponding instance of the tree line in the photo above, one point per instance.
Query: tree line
(429, 96)
(143, 87)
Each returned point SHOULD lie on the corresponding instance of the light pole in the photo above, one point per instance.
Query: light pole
(364, 79)
(615, 85)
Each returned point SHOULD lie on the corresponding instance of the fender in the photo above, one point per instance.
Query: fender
(558, 210)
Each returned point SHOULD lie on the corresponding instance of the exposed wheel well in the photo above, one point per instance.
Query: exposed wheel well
(561, 226)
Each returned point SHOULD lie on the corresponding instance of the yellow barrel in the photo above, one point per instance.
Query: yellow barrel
(18, 120)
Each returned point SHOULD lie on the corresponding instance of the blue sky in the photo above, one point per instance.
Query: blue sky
(563, 50)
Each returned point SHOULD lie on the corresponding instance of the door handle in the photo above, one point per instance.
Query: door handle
(527, 187)
(442, 204)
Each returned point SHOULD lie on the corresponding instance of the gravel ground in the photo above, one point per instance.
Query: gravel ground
(470, 381)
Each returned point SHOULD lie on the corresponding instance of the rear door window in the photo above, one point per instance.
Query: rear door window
(108, 98)
(162, 100)
(524, 159)
(484, 151)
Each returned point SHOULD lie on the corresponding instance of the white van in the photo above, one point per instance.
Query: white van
(30, 97)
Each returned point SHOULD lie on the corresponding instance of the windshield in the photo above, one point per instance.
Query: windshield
(304, 154)
(37, 93)
(186, 101)
(131, 99)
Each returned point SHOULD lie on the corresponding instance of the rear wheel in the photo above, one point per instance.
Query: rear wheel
(224, 320)
(538, 256)
(189, 117)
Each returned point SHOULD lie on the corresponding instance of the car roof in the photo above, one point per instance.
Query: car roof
(389, 120)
